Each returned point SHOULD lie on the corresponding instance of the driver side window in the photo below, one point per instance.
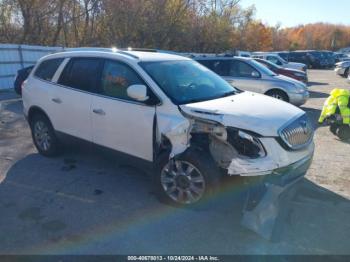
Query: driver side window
(116, 78)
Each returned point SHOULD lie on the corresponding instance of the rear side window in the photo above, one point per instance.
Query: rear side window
(48, 68)
(82, 74)
(218, 66)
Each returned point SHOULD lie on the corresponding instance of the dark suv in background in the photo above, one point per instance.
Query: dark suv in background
(20, 77)
(313, 59)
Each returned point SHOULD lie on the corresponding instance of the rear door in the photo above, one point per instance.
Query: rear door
(71, 99)
(118, 121)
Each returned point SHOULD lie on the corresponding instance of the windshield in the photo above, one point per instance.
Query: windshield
(262, 68)
(187, 81)
(282, 60)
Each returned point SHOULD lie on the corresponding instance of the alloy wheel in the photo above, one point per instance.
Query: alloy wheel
(183, 182)
(42, 136)
(277, 96)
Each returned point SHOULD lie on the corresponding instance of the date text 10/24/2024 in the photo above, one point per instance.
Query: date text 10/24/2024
(173, 258)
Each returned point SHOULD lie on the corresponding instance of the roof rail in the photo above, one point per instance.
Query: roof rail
(126, 53)
(139, 49)
(102, 49)
(88, 49)
(209, 55)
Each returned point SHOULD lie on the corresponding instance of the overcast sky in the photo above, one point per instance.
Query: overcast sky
(295, 12)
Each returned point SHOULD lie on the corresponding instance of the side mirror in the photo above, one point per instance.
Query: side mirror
(137, 92)
(255, 74)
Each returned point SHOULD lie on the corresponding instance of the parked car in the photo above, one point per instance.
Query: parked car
(284, 55)
(340, 57)
(276, 59)
(313, 59)
(243, 53)
(342, 68)
(20, 77)
(249, 75)
(169, 111)
(330, 59)
(292, 73)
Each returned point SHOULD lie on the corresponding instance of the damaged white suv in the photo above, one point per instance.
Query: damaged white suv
(169, 111)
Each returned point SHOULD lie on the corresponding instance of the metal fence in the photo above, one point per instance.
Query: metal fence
(15, 57)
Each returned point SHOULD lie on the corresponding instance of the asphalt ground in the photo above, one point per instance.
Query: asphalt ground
(89, 202)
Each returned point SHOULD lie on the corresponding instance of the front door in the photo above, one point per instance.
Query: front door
(118, 121)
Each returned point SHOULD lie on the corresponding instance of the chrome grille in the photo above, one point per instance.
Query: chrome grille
(297, 134)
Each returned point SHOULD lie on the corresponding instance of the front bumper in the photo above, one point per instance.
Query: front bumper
(287, 176)
(268, 196)
(299, 99)
(277, 161)
(339, 70)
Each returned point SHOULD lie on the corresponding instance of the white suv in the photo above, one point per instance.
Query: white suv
(170, 111)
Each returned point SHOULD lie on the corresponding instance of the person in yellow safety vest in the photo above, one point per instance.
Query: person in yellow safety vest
(339, 98)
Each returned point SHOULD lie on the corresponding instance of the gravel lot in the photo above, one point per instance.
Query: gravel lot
(87, 202)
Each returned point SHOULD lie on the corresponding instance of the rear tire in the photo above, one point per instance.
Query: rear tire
(44, 137)
(187, 181)
(346, 73)
(278, 94)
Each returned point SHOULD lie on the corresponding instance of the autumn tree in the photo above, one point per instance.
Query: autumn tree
(179, 25)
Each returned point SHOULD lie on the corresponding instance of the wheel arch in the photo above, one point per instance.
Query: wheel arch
(34, 110)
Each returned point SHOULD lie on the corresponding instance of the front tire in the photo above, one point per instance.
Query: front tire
(346, 73)
(278, 94)
(187, 180)
(44, 137)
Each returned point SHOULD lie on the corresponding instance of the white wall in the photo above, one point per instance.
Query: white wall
(15, 57)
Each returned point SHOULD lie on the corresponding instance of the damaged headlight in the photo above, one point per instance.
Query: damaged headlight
(246, 144)
(209, 127)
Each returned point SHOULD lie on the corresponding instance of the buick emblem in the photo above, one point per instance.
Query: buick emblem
(303, 125)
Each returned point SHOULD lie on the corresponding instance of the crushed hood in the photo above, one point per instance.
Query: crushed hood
(249, 111)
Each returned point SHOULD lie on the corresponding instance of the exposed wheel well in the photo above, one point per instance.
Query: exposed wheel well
(271, 91)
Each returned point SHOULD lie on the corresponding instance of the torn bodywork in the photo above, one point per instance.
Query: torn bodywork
(236, 151)
(239, 152)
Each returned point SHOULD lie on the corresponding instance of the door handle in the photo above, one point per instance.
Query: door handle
(56, 100)
(99, 112)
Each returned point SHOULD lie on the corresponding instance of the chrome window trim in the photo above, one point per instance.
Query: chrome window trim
(66, 60)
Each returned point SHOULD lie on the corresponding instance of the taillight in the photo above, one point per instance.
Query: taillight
(23, 84)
